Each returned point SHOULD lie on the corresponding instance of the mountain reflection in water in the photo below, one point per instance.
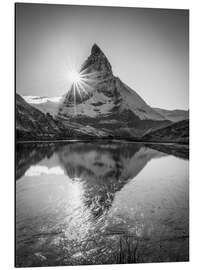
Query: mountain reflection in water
(101, 202)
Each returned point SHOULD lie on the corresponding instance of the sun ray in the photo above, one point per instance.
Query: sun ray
(82, 84)
(84, 90)
(75, 110)
(79, 92)
(85, 84)
(88, 74)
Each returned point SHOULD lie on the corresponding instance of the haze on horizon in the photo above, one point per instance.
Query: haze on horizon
(147, 48)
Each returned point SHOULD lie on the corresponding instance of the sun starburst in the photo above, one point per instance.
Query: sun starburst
(82, 84)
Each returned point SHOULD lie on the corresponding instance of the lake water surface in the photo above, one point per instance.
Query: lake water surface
(101, 203)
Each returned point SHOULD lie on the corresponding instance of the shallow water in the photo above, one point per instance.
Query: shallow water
(98, 203)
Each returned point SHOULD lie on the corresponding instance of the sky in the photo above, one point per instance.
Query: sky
(147, 48)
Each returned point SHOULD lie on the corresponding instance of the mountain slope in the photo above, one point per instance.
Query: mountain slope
(32, 124)
(173, 115)
(107, 103)
(52, 104)
(177, 132)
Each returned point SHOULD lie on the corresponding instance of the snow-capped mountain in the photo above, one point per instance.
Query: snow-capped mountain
(108, 93)
(103, 105)
(109, 104)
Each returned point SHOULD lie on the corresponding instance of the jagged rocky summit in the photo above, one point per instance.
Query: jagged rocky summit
(109, 104)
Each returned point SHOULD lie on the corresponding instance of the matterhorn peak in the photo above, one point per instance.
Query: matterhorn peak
(106, 103)
(97, 61)
(96, 50)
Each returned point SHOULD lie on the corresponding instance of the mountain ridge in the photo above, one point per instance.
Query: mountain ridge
(176, 132)
(50, 105)
(100, 105)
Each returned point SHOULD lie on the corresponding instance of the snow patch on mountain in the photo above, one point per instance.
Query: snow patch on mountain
(98, 104)
(45, 104)
(40, 100)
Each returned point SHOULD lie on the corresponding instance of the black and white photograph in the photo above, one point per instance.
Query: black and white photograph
(101, 135)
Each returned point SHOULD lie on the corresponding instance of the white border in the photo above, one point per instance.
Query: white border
(196, 115)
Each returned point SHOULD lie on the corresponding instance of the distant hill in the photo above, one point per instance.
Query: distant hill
(32, 123)
(177, 132)
(173, 115)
